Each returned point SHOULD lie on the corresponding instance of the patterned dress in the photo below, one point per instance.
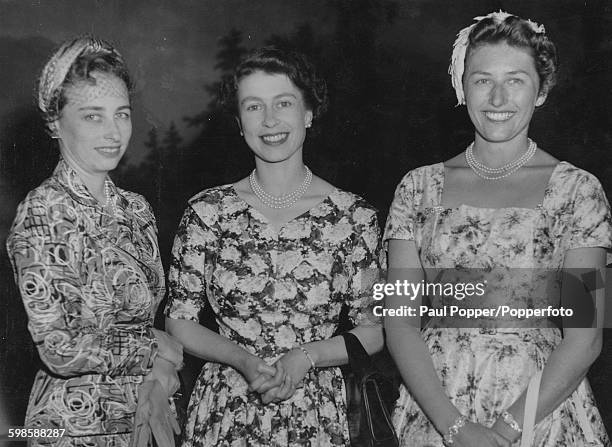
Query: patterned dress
(484, 370)
(271, 292)
(90, 283)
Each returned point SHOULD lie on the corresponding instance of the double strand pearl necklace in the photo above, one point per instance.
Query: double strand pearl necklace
(285, 200)
(110, 202)
(487, 173)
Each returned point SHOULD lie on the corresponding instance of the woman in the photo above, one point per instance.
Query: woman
(277, 255)
(501, 205)
(87, 264)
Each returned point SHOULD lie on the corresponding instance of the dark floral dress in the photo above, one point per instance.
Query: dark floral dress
(90, 283)
(484, 370)
(271, 292)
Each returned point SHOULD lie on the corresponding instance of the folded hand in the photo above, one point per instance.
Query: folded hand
(296, 365)
(257, 372)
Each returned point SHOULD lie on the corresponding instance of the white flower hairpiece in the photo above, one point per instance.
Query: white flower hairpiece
(457, 65)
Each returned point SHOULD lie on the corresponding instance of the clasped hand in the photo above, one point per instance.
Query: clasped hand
(279, 381)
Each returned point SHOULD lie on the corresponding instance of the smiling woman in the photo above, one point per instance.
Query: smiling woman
(95, 125)
(277, 254)
(502, 90)
(273, 116)
(85, 258)
(500, 206)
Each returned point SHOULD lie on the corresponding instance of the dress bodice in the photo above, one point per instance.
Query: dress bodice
(517, 252)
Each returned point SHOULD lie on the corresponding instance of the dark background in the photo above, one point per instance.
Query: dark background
(392, 107)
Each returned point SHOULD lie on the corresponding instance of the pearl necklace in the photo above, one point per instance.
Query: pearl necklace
(285, 200)
(110, 202)
(487, 173)
(519, 161)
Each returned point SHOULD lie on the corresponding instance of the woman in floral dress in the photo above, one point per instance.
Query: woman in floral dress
(501, 206)
(87, 264)
(277, 255)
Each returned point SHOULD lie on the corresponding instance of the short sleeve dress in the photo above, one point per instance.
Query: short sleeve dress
(271, 292)
(91, 282)
(484, 370)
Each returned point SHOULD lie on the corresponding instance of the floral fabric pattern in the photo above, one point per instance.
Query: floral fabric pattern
(90, 283)
(271, 292)
(484, 370)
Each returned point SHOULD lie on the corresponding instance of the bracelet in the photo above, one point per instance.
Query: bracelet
(454, 429)
(510, 421)
(308, 356)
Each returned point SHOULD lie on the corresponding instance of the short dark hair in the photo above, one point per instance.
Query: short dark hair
(274, 60)
(518, 32)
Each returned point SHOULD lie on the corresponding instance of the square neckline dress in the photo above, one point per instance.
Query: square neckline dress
(484, 370)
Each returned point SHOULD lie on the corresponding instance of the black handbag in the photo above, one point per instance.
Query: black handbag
(370, 396)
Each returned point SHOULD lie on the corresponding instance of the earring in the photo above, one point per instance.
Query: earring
(241, 133)
(541, 99)
(308, 125)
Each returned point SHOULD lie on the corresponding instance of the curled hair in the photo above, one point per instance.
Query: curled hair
(498, 27)
(519, 33)
(274, 60)
(75, 61)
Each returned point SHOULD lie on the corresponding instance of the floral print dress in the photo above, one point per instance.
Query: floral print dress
(90, 283)
(484, 370)
(271, 292)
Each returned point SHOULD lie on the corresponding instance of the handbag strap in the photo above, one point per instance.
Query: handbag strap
(531, 406)
(358, 358)
(583, 421)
